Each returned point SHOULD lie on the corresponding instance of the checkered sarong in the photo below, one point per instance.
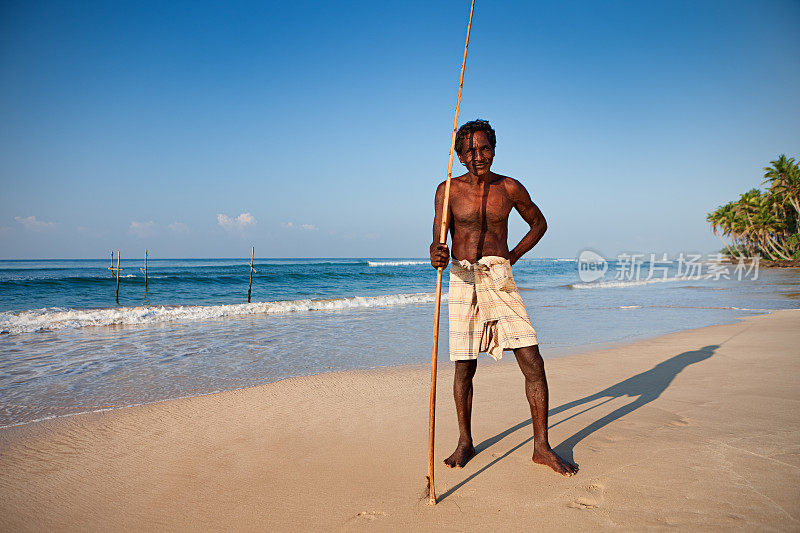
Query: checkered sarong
(486, 310)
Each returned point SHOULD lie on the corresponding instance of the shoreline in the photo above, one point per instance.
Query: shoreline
(563, 351)
(696, 428)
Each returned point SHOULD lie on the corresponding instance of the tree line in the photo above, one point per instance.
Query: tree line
(765, 223)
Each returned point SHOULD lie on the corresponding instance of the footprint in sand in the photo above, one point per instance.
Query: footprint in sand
(679, 423)
(592, 498)
(369, 515)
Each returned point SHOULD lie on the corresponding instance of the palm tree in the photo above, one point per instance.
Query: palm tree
(715, 219)
(784, 179)
(765, 223)
(746, 209)
(767, 226)
(721, 221)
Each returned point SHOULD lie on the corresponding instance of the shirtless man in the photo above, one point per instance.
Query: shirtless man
(480, 203)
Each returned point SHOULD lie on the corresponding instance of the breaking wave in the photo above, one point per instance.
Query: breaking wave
(396, 263)
(619, 284)
(55, 318)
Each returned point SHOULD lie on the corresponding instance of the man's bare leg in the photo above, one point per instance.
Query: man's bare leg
(462, 393)
(532, 366)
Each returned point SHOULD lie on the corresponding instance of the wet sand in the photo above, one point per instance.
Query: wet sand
(696, 429)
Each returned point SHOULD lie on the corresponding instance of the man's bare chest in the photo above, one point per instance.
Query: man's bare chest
(478, 206)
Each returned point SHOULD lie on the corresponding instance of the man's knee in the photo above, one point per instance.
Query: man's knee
(530, 361)
(465, 370)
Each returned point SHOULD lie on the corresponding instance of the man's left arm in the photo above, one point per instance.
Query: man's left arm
(530, 213)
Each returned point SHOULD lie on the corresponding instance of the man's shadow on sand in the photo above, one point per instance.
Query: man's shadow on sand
(645, 387)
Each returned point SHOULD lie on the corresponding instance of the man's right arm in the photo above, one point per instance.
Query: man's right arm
(440, 254)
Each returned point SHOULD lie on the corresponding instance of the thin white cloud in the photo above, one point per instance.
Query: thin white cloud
(292, 225)
(179, 228)
(239, 223)
(32, 224)
(141, 229)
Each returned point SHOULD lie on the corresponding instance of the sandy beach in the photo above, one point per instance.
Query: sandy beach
(696, 430)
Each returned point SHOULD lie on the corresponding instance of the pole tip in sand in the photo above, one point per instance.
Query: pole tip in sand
(431, 495)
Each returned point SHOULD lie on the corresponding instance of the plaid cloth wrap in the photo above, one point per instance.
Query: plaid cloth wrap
(486, 310)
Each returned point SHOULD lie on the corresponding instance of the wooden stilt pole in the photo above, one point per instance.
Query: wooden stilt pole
(115, 270)
(437, 306)
(144, 270)
(250, 286)
(118, 254)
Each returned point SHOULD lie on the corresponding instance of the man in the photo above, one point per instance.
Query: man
(486, 311)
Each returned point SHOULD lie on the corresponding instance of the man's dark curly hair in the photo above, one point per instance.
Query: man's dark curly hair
(473, 126)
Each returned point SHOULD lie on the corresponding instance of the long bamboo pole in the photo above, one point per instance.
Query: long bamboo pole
(438, 305)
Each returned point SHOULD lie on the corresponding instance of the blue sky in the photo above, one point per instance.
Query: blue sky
(320, 129)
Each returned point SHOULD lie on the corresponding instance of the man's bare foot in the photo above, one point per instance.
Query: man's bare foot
(549, 458)
(464, 452)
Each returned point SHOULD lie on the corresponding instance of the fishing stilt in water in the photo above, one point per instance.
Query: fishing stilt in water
(144, 270)
(115, 271)
(250, 285)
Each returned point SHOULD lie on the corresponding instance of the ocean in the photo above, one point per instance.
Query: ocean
(66, 346)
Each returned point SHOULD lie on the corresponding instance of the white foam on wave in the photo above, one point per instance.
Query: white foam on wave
(396, 263)
(691, 307)
(619, 284)
(54, 318)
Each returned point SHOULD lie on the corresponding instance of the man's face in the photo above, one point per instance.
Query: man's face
(477, 154)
